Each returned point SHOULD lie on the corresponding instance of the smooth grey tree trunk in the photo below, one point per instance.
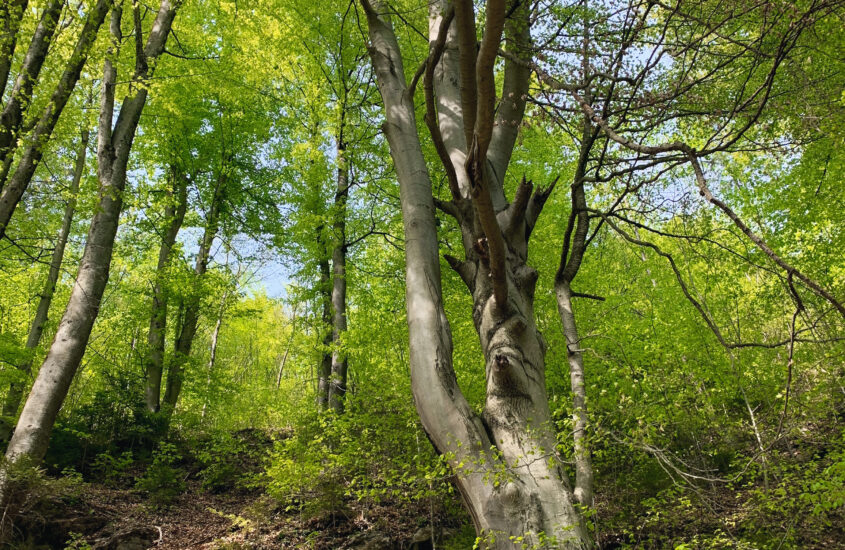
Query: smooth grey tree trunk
(340, 365)
(36, 142)
(505, 463)
(185, 340)
(572, 254)
(583, 461)
(32, 435)
(36, 330)
(174, 215)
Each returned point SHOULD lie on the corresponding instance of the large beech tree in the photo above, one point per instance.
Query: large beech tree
(623, 82)
(504, 458)
(114, 144)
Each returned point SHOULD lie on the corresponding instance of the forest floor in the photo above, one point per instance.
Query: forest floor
(67, 513)
(98, 517)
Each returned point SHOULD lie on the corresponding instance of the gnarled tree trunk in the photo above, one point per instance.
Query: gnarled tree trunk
(505, 462)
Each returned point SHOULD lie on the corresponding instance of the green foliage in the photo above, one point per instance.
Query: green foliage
(163, 480)
(233, 460)
(677, 423)
(332, 458)
(113, 470)
(77, 542)
(31, 495)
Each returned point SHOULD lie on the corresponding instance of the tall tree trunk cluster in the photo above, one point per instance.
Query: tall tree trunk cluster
(505, 460)
(174, 215)
(190, 320)
(114, 144)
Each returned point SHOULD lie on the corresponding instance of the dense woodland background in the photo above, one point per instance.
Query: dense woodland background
(247, 380)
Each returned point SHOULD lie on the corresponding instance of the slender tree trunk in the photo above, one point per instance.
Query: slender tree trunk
(212, 356)
(36, 142)
(583, 461)
(287, 349)
(570, 262)
(504, 459)
(13, 399)
(11, 117)
(185, 340)
(11, 14)
(340, 366)
(174, 214)
(32, 435)
(324, 372)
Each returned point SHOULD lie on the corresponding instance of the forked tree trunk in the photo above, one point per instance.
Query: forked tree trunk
(188, 331)
(505, 462)
(574, 247)
(32, 435)
(37, 141)
(174, 213)
(340, 366)
(13, 399)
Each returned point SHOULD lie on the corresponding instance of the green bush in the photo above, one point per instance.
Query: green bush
(113, 470)
(163, 481)
(373, 456)
(233, 460)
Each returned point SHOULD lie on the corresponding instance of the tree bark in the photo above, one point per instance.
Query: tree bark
(36, 330)
(337, 389)
(505, 464)
(174, 213)
(287, 349)
(32, 435)
(185, 340)
(36, 143)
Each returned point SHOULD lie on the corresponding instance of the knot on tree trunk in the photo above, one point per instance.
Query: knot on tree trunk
(482, 248)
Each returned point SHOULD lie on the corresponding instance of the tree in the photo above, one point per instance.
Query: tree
(115, 139)
(13, 398)
(512, 441)
(174, 215)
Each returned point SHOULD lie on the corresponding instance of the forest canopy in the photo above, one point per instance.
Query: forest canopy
(498, 274)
